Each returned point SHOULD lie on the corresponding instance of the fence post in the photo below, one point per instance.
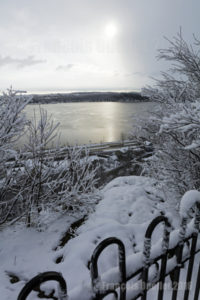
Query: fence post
(192, 252)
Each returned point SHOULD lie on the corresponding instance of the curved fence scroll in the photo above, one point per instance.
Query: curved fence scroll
(176, 250)
(97, 291)
(146, 254)
(41, 278)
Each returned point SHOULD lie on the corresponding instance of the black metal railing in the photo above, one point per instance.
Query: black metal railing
(176, 251)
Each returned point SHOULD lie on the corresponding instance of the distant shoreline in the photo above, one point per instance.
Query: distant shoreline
(88, 97)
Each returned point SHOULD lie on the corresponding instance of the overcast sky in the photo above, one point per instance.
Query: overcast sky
(54, 45)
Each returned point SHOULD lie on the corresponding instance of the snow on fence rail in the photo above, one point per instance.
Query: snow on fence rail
(137, 274)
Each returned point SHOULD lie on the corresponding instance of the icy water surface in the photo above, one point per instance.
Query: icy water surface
(93, 122)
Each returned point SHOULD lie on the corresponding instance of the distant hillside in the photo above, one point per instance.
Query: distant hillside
(89, 97)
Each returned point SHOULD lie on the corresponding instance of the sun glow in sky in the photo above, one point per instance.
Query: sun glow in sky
(88, 44)
(111, 30)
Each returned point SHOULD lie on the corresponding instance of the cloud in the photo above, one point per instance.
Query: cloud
(133, 74)
(20, 63)
(65, 67)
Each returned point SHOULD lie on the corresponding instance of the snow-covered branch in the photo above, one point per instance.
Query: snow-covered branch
(174, 128)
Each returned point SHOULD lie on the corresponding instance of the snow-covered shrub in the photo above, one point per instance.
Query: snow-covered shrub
(56, 180)
(174, 127)
(12, 120)
(12, 125)
(78, 178)
(35, 176)
(38, 179)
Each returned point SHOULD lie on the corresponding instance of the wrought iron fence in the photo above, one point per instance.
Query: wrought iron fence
(177, 250)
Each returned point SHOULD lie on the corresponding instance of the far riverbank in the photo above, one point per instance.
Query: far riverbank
(88, 97)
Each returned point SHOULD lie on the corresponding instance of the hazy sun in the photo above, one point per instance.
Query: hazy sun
(110, 30)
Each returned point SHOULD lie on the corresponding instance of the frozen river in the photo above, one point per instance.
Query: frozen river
(93, 122)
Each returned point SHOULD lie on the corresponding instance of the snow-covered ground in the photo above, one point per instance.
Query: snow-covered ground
(127, 206)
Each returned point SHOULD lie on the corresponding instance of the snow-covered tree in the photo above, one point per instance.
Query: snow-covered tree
(12, 121)
(53, 180)
(174, 126)
(12, 126)
(35, 176)
(42, 179)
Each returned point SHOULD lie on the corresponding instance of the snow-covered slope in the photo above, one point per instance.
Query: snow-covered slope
(127, 206)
